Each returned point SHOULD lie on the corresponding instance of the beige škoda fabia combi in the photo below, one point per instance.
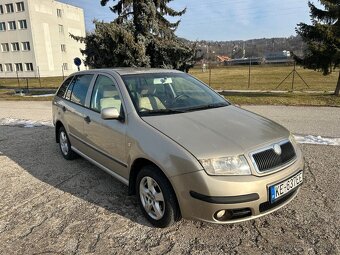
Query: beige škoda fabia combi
(179, 146)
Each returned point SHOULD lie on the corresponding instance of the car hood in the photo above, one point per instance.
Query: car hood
(218, 132)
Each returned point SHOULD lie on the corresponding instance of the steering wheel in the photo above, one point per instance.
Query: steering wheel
(180, 96)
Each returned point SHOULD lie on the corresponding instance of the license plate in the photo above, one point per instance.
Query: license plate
(278, 190)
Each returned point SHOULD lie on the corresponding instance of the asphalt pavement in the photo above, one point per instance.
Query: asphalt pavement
(52, 206)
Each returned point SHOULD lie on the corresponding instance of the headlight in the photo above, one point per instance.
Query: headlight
(236, 165)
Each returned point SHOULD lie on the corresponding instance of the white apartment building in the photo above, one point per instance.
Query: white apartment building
(34, 38)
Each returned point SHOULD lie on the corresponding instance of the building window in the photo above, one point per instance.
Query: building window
(18, 67)
(20, 7)
(1, 9)
(22, 24)
(2, 26)
(26, 46)
(29, 66)
(15, 46)
(63, 47)
(9, 67)
(65, 66)
(5, 47)
(61, 29)
(59, 13)
(9, 8)
(1, 68)
(12, 25)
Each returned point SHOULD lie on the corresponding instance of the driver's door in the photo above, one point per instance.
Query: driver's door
(106, 138)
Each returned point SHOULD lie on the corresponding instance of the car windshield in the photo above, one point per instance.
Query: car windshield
(170, 93)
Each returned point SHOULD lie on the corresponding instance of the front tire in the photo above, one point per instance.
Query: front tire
(65, 145)
(156, 198)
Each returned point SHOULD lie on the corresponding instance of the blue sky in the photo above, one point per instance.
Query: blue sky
(222, 20)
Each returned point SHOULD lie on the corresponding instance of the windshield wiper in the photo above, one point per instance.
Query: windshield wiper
(161, 111)
(208, 106)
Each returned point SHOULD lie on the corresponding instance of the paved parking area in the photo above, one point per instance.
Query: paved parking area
(52, 206)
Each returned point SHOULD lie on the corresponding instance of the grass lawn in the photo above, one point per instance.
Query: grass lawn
(46, 82)
(298, 99)
(265, 77)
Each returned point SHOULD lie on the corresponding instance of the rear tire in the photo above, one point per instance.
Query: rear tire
(65, 145)
(156, 197)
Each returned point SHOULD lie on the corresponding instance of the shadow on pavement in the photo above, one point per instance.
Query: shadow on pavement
(35, 150)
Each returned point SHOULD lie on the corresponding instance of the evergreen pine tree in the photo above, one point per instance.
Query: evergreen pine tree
(140, 36)
(322, 38)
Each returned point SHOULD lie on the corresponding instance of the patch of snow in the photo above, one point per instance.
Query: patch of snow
(24, 123)
(44, 95)
(308, 139)
(311, 139)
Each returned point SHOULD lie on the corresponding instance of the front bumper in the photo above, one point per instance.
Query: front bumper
(201, 196)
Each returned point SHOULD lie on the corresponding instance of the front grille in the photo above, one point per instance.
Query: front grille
(268, 159)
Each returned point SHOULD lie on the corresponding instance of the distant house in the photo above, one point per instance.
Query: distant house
(244, 61)
(221, 58)
(279, 57)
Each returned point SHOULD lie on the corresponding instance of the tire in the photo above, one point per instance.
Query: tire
(156, 197)
(65, 145)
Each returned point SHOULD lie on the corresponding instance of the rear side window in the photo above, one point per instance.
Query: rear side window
(63, 87)
(79, 86)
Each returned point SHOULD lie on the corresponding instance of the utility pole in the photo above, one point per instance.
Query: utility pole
(293, 72)
(209, 63)
(39, 76)
(249, 73)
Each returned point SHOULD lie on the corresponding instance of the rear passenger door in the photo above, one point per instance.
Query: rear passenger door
(75, 108)
(106, 137)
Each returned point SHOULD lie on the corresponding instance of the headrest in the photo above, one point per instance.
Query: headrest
(144, 92)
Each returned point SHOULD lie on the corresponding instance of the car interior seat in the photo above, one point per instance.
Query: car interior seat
(110, 99)
(147, 99)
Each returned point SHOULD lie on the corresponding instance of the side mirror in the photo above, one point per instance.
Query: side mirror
(110, 113)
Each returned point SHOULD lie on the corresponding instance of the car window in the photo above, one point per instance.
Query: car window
(105, 94)
(63, 87)
(167, 93)
(80, 85)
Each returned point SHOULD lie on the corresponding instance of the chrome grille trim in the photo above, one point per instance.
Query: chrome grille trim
(276, 168)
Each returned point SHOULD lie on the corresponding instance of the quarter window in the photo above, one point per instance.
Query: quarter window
(105, 94)
(9, 8)
(80, 84)
(12, 25)
(2, 26)
(22, 24)
(63, 87)
(15, 46)
(20, 6)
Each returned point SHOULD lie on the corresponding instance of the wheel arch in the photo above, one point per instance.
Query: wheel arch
(136, 166)
(58, 125)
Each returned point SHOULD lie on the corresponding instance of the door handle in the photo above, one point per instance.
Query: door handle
(87, 119)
